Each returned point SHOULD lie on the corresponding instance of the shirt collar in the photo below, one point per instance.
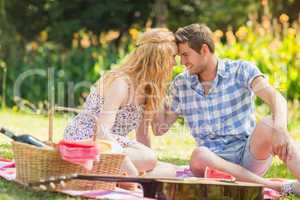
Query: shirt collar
(221, 68)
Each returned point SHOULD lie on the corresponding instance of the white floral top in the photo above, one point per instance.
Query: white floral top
(83, 125)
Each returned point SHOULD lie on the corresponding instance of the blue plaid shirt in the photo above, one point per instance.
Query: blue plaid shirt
(225, 117)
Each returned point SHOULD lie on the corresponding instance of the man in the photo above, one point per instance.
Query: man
(215, 97)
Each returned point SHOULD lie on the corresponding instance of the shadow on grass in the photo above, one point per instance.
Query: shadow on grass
(279, 171)
(6, 151)
(10, 191)
(176, 161)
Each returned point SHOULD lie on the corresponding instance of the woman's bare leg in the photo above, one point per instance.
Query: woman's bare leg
(143, 158)
(139, 158)
(129, 168)
(163, 169)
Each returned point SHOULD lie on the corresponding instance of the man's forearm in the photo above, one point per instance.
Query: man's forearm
(279, 110)
(273, 99)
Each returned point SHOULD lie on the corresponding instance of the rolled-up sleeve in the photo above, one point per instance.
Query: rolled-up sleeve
(247, 72)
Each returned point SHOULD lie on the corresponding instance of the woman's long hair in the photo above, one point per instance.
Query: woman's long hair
(149, 67)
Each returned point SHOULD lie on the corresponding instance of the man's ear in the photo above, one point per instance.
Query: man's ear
(204, 49)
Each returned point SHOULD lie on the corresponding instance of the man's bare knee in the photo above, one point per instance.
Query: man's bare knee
(266, 126)
(201, 153)
(199, 172)
(199, 160)
(264, 131)
(261, 139)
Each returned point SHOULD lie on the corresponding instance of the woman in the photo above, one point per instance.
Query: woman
(126, 98)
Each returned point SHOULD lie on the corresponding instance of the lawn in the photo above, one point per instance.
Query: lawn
(174, 147)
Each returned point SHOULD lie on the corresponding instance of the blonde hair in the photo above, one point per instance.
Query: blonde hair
(149, 66)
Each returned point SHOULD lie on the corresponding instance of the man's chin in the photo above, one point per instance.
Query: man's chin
(191, 72)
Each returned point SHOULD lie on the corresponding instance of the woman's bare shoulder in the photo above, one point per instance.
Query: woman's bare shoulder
(118, 87)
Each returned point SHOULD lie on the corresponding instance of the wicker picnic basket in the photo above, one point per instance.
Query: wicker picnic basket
(34, 164)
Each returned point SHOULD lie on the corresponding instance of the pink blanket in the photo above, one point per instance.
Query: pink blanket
(8, 172)
(117, 194)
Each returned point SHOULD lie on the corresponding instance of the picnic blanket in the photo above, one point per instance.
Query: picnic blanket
(8, 172)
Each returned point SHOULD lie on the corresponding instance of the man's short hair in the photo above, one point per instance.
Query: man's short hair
(195, 35)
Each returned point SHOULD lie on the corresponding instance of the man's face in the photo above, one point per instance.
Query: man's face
(193, 61)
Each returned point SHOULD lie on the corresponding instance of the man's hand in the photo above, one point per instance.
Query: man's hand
(282, 145)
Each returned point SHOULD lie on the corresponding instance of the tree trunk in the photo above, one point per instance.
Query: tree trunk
(160, 13)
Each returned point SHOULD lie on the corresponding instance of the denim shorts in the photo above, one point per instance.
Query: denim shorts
(240, 154)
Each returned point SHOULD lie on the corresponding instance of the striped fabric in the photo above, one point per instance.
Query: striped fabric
(225, 117)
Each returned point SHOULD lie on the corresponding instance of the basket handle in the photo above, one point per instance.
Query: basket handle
(61, 108)
(50, 124)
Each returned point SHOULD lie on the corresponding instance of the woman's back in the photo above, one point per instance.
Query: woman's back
(83, 125)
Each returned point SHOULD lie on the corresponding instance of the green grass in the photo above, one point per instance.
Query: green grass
(174, 147)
